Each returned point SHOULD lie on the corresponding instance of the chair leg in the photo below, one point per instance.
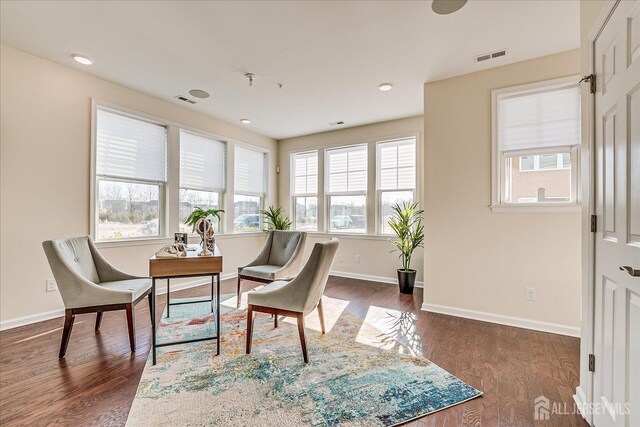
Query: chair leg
(321, 315)
(66, 332)
(150, 306)
(303, 341)
(275, 320)
(98, 320)
(249, 328)
(131, 323)
(238, 291)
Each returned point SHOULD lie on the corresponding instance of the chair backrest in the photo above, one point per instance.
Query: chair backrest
(308, 286)
(69, 258)
(284, 245)
(76, 253)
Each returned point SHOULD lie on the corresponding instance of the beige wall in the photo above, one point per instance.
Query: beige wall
(375, 259)
(45, 150)
(475, 259)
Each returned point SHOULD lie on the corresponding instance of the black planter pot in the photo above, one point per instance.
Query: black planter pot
(406, 281)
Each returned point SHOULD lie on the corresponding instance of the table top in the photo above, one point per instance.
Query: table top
(191, 265)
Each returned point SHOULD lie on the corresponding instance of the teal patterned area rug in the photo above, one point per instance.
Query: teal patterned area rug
(357, 375)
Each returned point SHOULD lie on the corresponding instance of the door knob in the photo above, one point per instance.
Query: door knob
(630, 270)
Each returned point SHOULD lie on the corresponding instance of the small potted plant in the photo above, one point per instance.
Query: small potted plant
(275, 219)
(198, 214)
(406, 223)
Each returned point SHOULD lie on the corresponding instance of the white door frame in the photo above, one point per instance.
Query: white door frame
(584, 391)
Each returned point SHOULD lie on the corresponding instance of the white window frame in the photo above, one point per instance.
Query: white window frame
(170, 193)
(263, 196)
(292, 186)
(379, 192)
(221, 194)
(498, 158)
(95, 178)
(329, 194)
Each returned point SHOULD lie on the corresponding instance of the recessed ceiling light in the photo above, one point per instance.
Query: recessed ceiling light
(245, 121)
(445, 7)
(81, 59)
(385, 86)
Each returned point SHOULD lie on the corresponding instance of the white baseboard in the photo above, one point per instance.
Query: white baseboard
(33, 318)
(382, 279)
(581, 402)
(40, 317)
(518, 322)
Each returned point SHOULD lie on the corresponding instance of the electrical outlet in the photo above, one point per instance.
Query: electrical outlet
(51, 285)
(357, 259)
(531, 294)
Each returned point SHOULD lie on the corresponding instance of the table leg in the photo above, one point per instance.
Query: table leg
(153, 319)
(218, 331)
(168, 298)
(212, 292)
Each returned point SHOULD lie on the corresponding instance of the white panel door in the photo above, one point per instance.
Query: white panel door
(617, 249)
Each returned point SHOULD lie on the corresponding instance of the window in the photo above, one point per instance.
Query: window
(396, 177)
(536, 132)
(250, 188)
(347, 189)
(131, 173)
(202, 175)
(304, 176)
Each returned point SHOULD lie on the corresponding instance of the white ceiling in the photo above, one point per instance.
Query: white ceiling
(330, 56)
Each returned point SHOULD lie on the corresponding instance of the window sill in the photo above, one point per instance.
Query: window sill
(355, 236)
(193, 238)
(528, 208)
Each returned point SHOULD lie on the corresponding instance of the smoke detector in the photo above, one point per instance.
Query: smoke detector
(490, 55)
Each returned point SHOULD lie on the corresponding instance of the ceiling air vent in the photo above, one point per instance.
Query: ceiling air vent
(182, 98)
(491, 55)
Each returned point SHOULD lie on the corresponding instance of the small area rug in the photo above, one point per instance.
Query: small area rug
(357, 375)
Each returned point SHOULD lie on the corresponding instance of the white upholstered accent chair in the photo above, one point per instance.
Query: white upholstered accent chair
(89, 284)
(279, 259)
(298, 297)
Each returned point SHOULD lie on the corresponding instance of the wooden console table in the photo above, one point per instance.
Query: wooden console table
(190, 266)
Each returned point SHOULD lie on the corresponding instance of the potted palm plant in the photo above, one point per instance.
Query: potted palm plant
(406, 223)
(275, 219)
(205, 214)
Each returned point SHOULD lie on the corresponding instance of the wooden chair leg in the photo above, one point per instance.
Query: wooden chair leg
(321, 315)
(249, 328)
(131, 323)
(303, 341)
(150, 306)
(275, 320)
(98, 320)
(238, 291)
(66, 332)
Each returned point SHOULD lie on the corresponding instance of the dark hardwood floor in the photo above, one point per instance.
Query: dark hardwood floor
(95, 384)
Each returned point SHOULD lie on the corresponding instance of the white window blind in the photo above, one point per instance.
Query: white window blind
(347, 169)
(305, 167)
(397, 164)
(250, 172)
(543, 119)
(130, 148)
(202, 163)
